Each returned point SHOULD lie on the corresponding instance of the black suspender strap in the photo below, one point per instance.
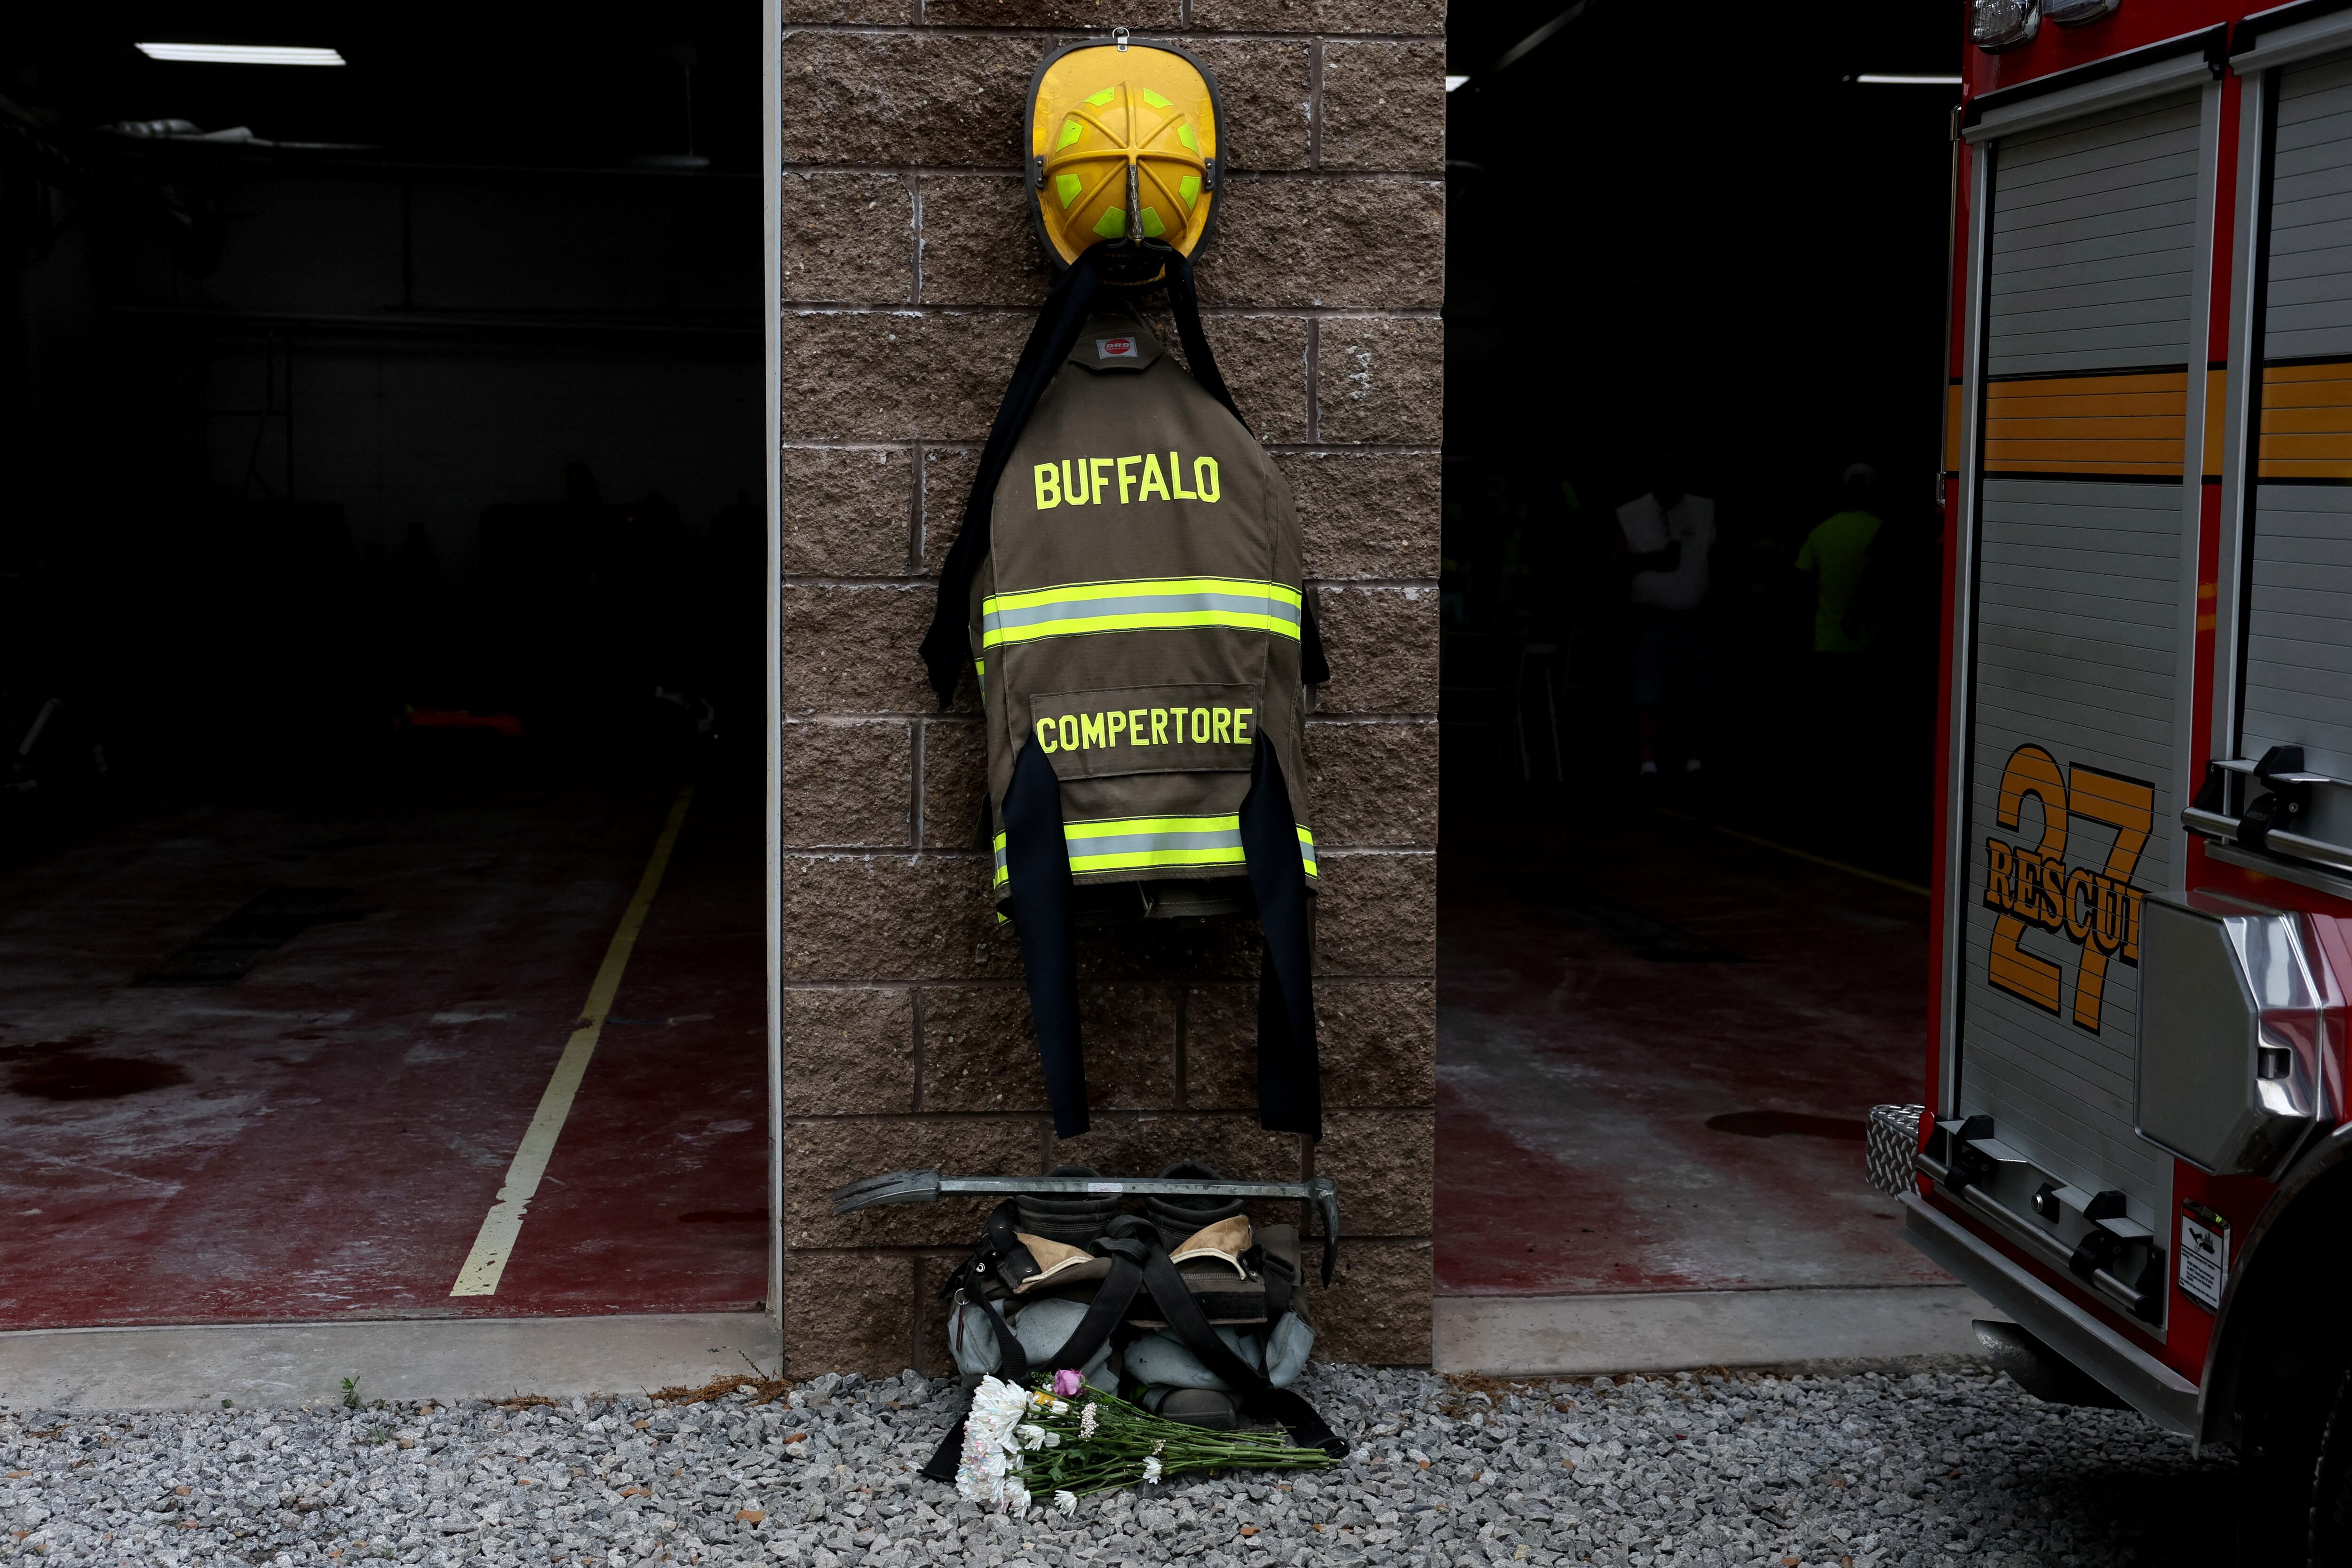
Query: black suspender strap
(1289, 1076)
(1038, 861)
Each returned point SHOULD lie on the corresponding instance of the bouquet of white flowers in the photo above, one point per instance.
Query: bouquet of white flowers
(1069, 1438)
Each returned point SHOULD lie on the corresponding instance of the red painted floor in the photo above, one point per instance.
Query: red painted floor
(323, 1137)
(1577, 1077)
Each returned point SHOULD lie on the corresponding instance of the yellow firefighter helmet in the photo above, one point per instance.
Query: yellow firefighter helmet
(1123, 146)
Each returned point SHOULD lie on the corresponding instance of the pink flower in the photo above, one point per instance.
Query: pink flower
(1066, 1383)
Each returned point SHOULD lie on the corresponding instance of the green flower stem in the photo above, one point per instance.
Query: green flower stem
(1126, 1435)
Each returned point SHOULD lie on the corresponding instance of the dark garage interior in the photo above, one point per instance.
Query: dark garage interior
(1678, 246)
(381, 630)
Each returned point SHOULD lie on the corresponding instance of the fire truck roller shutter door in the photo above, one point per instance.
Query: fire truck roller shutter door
(2299, 673)
(2088, 324)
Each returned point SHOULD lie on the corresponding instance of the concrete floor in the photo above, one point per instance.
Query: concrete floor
(322, 1137)
(1656, 1048)
(297, 1363)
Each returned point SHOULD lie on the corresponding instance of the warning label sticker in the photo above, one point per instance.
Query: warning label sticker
(2204, 1255)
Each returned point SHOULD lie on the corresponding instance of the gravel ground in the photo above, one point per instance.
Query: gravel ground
(1952, 1467)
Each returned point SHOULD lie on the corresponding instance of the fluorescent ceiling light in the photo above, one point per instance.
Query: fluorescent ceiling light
(1453, 82)
(242, 54)
(1883, 79)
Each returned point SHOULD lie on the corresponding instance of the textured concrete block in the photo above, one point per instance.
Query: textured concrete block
(1384, 105)
(1373, 783)
(848, 1311)
(1380, 379)
(1320, 16)
(847, 238)
(955, 785)
(936, 1358)
(979, 242)
(1368, 514)
(1233, 1146)
(1377, 1310)
(1379, 1041)
(858, 375)
(823, 1155)
(1096, 15)
(947, 487)
(848, 1051)
(882, 13)
(1264, 361)
(904, 99)
(848, 783)
(892, 917)
(1374, 244)
(1383, 645)
(850, 648)
(846, 513)
(1221, 1046)
(1385, 1162)
(980, 1051)
(1268, 100)
(1376, 913)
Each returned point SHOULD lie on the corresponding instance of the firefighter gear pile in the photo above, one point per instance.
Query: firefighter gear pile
(1207, 1330)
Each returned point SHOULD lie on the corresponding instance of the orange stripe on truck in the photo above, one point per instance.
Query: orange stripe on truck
(2134, 424)
(2306, 422)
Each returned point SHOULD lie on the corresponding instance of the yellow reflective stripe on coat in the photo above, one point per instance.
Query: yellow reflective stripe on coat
(1134, 843)
(1130, 844)
(1140, 604)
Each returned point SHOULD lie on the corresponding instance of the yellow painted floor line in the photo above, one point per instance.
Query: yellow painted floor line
(1880, 878)
(503, 1225)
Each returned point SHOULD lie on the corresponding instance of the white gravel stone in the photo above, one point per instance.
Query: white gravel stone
(1949, 1468)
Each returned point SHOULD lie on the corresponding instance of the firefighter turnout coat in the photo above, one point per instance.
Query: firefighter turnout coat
(1137, 631)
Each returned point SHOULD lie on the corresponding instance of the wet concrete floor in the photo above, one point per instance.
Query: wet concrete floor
(260, 1062)
(1657, 1046)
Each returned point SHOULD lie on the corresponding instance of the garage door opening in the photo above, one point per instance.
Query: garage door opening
(381, 687)
(1668, 1000)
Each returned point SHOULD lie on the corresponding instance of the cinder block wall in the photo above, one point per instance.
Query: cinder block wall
(910, 278)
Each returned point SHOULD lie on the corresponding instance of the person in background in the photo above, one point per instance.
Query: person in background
(1666, 536)
(1837, 554)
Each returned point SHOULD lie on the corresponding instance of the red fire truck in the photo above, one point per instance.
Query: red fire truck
(2136, 1142)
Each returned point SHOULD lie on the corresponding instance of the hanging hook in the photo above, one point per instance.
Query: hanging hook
(1118, 38)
